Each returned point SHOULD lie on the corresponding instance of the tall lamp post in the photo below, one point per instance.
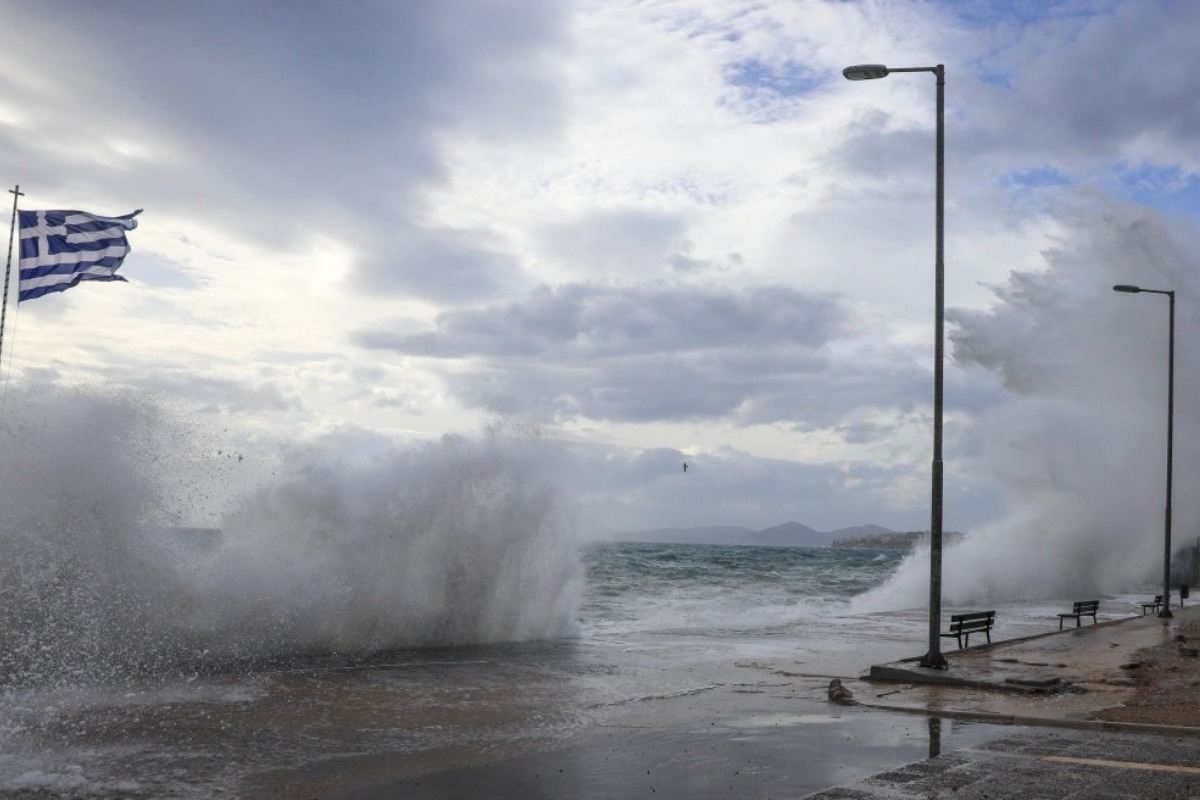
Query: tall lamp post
(864, 72)
(1166, 592)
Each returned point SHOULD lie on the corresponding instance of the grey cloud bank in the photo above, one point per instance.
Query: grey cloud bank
(638, 353)
(664, 232)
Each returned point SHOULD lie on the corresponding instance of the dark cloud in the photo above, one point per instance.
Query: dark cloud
(638, 353)
(1084, 94)
(595, 321)
(1043, 96)
(279, 122)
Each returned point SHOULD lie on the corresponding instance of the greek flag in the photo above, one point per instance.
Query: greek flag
(61, 248)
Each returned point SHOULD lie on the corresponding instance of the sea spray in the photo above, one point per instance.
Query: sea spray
(77, 591)
(1079, 443)
(462, 540)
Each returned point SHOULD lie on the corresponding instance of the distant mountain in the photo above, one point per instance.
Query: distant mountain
(860, 530)
(789, 534)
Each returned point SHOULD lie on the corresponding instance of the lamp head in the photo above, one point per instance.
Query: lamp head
(1124, 287)
(865, 72)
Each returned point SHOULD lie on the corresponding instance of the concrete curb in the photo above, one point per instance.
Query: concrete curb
(887, 673)
(1042, 722)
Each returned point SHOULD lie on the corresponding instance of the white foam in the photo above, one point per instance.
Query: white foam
(1079, 442)
(461, 540)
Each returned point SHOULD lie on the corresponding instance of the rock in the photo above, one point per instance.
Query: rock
(840, 694)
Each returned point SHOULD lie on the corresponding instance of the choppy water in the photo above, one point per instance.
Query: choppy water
(655, 621)
(719, 588)
(408, 610)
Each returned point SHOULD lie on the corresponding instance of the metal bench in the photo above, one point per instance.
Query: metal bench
(1155, 606)
(1081, 608)
(963, 625)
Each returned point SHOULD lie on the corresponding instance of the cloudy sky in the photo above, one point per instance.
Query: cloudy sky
(661, 230)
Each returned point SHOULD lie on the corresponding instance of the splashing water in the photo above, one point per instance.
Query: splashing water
(463, 540)
(1080, 442)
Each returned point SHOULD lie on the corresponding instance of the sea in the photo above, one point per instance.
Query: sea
(392, 613)
(651, 622)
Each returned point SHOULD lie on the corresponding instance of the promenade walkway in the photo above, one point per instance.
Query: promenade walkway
(1058, 678)
(1011, 721)
(1049, 687)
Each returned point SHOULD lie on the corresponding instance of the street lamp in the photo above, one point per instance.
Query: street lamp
(1166, 594)
(864, 72)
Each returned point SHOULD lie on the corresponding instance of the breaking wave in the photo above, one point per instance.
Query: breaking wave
(462, 540)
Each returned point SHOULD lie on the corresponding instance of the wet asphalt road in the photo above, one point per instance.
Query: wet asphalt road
(944, 760)
(1050, 764)
(767, 753)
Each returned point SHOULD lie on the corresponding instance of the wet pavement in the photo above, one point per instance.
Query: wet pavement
(753, 746)
(1044, 765)
(1049, 685)
(1059, 678)
(1010, 720)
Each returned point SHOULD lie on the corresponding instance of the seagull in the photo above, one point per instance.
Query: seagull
(685, 468)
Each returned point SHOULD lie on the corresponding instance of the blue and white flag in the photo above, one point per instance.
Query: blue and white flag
(61, 248)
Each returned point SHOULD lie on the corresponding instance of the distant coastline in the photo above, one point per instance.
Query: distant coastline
(893, 540)
(789, 534)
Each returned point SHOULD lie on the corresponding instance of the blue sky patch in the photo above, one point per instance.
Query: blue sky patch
(789, 80)
(1038, 178)
(1029, 187)
(1161, 187)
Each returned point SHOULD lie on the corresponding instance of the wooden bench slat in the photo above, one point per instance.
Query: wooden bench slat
(1080, 609)
(963, 625)
(1152, 607)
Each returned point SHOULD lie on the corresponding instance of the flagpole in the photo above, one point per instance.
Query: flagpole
(12, 229)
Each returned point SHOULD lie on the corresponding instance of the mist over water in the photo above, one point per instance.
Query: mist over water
(463, 540)
(459, 542)
(469, 539)
(1079, 440)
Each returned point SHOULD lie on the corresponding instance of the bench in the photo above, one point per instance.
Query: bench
(1081, 608)
(1155, 606)
(963, 625)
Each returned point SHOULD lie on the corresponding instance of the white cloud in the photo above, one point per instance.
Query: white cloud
(666, 224)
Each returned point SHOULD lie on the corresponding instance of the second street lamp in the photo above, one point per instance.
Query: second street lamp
(1166, 590)
(862, 72)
